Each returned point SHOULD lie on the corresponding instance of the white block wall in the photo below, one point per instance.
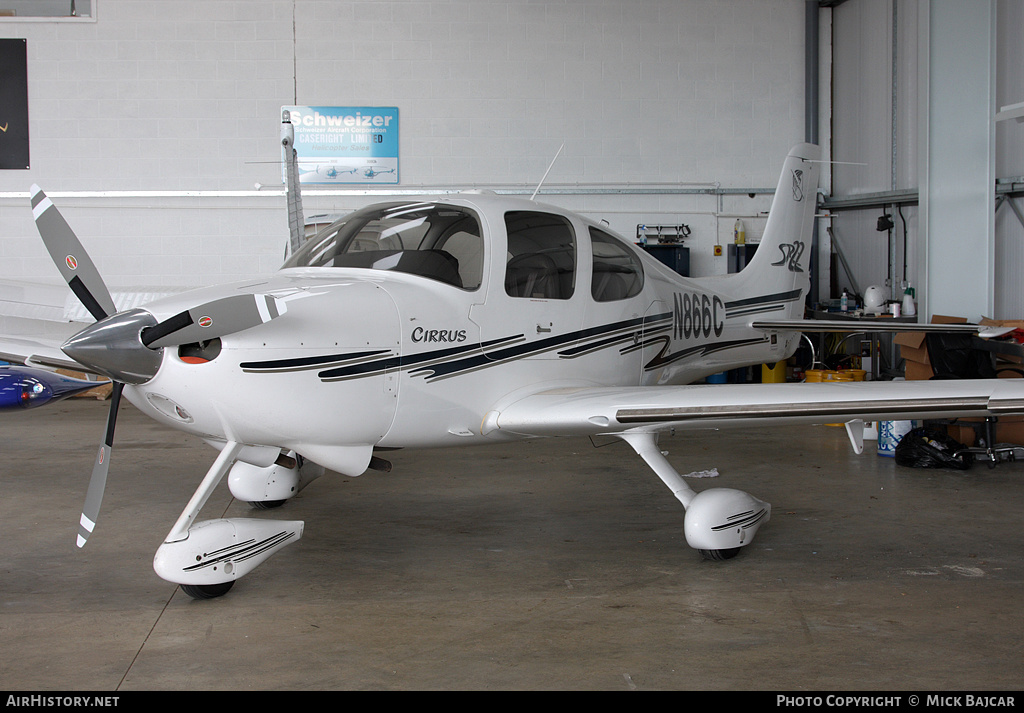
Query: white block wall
(186, 96)
(863, 126)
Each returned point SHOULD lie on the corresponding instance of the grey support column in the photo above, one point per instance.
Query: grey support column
(957, 171)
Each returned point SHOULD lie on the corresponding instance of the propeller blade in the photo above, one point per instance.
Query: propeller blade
(98, 481)
(214, 319)
(75, 265)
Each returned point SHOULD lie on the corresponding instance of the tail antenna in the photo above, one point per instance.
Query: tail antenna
(544, 177)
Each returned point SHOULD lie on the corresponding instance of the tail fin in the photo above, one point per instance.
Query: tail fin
(780, 267)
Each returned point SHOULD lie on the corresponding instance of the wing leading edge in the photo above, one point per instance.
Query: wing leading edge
(42, 352)
(619, 410)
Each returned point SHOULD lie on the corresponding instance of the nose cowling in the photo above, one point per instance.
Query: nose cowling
(113, 347)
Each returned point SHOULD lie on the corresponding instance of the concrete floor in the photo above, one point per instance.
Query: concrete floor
(543, 565)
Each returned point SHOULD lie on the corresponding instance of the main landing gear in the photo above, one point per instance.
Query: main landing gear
(719, 521)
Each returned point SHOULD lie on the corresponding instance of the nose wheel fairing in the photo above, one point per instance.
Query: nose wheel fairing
(220, 551)
(216, 552)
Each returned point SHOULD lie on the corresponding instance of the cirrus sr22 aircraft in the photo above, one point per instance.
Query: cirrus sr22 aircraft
(465, 320)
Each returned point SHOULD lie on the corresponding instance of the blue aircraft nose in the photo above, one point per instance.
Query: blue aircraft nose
(26, 387)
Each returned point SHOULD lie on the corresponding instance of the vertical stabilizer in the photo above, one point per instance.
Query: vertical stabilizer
(781, 264)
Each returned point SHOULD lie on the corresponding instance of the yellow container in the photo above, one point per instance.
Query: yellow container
(774, 374)
(819, 375)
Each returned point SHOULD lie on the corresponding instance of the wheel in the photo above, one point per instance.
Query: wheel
(718, 555)
(207, 591)
(266, 504)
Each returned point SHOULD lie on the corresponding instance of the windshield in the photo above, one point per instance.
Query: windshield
(436, 241)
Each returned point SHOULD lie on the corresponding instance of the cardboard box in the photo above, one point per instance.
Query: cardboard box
(1009, 429)
(916, 371)
(910, 340)
(1014, 323)
(914, 351)
(961, 433)
(918, 354)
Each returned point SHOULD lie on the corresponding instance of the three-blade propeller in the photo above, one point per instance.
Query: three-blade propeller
(213, 319)
(110, 345)
(70, 257)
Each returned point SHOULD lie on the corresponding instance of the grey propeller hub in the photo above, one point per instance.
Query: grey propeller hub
(113, 347)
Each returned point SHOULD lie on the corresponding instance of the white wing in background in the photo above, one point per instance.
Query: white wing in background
(619, 410)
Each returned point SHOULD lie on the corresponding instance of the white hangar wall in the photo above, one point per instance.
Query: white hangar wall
(153, 122)
(868, 82)
(864, 124)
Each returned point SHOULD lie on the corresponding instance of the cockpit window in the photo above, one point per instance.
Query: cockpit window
(618, 273)
(437, 241)
(541, 259)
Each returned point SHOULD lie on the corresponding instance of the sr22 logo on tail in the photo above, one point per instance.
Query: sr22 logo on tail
(791, 254)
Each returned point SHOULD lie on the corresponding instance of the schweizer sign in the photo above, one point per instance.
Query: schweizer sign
(346, 144)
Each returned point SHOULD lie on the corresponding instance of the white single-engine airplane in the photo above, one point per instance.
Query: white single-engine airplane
(465, 320)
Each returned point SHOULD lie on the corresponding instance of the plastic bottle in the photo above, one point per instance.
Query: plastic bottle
(844, 302)
(739, 233)
(909, 309)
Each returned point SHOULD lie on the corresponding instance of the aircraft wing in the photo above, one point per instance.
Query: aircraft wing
(876, 325)
(619, 410)
(42, 353)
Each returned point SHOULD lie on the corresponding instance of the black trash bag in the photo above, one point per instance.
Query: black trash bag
(929, 448)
